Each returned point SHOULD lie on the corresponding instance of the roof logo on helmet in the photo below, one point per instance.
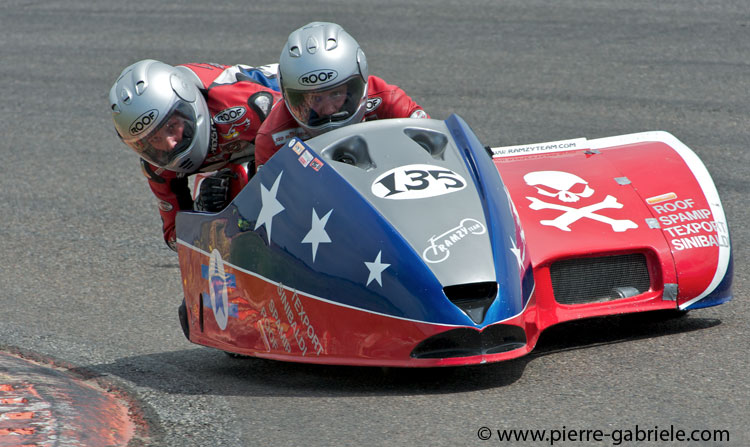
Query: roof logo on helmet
(143, 122)
(229, 115)
(318, 77)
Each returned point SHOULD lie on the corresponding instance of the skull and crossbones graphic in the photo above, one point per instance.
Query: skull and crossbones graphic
(570, 188)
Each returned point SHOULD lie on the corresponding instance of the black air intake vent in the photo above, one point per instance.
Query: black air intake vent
(186, 164)
(352, 150)
(605, 278)
(466, 342)
(474, 298)
(432, 141)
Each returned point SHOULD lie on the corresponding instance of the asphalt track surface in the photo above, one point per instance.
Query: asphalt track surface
(86, 280)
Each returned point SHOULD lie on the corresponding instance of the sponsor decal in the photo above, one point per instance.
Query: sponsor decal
(234, 147)
(318, 77)
(439, 246)
(273, 326)
(144, 122)
(217, 289)
(230, 115)
(284, 136)
(165, 206)
(305, 158)
(417, 181)
(261, 103)
(234, 131)
(298, 148)
(288, 321)
(688, 227)
(661, 198)
(418, 114)
(542, 148)
(372, 104)
(569, 188)
(316, 164)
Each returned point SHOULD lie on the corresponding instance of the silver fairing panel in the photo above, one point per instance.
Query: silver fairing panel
(417, 179)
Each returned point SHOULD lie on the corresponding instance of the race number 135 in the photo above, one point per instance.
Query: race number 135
(417, 182)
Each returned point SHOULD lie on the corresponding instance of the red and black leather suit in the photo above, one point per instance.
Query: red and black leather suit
(239, 99)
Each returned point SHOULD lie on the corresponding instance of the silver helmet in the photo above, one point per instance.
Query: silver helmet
(160, 113)
(323, 74)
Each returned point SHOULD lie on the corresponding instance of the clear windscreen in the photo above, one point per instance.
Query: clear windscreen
(172, 137)
(317, 108)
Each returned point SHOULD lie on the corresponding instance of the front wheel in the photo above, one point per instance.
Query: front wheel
(182, 313)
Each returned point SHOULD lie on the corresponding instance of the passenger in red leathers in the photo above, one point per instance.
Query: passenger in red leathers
(189, 119)
(325, 85)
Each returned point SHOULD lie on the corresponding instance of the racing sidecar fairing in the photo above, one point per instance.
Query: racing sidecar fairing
(408, 243)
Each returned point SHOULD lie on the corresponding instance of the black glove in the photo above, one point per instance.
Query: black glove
(214, 192)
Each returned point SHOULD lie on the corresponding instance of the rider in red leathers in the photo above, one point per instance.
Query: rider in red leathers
(188, 119)
(325, 85)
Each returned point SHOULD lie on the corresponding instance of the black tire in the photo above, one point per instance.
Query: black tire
(234, 355)
(182, 313)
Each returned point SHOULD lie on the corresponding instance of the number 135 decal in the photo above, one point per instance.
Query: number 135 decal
(417, 182)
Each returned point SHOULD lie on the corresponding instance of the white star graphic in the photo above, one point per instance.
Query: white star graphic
(376, 268)
(517, 252)
(317, 234)
(269, 207)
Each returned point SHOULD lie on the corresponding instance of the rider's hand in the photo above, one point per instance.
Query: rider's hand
(214, 192)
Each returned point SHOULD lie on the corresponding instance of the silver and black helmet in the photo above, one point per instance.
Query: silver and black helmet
(160, 113)
(323, 75)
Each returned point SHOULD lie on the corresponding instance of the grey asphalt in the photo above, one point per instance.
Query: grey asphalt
(85, 278)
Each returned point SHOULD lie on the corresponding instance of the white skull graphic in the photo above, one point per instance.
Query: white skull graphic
(565, 186)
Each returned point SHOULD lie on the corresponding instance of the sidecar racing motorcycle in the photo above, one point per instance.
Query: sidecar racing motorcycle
(408, 243)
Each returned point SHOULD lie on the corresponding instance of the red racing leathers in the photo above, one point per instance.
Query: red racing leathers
(383, 101)
(239, 99)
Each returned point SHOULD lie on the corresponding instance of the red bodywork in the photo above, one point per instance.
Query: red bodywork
(653, 179)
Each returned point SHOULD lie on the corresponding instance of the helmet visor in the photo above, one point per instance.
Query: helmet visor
(319, 107)
(171, 138)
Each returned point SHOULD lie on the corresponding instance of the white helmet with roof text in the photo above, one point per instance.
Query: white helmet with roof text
(161, 114)
(323, 74)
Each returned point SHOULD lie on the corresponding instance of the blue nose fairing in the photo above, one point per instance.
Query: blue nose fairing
(512, 266)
